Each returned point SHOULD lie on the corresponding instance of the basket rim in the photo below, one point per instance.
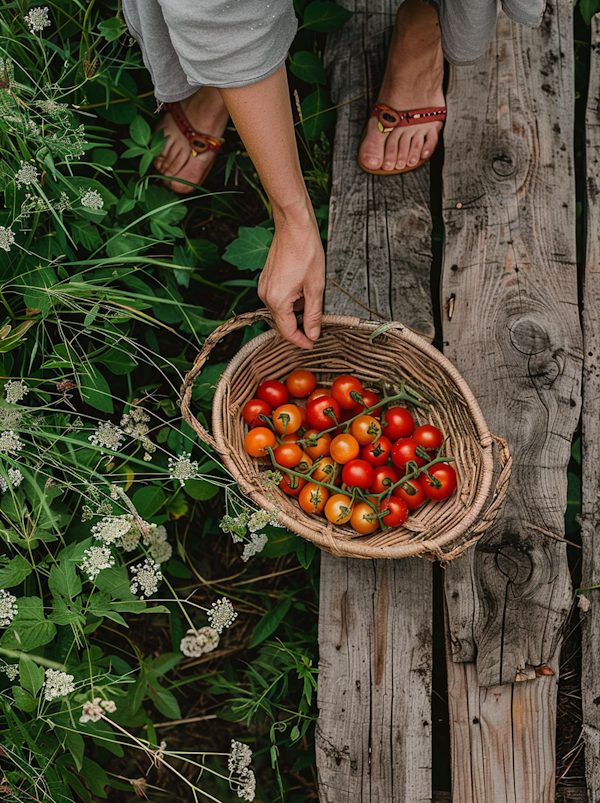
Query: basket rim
(326, 537)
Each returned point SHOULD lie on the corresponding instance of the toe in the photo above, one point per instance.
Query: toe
(178, 161)
(371, 150)
(403, 150)
(391, 149)
(431, 140)
(416, 146)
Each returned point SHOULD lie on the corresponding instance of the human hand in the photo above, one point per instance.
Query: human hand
(293, 279)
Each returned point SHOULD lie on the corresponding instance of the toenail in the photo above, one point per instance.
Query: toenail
(413, 160)
(425, 154)
(371, 161)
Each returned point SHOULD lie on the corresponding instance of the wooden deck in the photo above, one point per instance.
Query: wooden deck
(510, 323)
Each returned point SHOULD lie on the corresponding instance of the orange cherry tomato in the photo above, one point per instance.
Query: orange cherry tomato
(301, 383)
(326, 470)
(292, 485)
(321, 443)
(257, 440)
(318, 392)
(293, 437)
(288, 455)
(253, 409)
(344, 448)
(338, 509)
(313, 498)
(303, 415)
(305, 463)
(343, 388)
(366, 429)
(364, 519)
(287, 418)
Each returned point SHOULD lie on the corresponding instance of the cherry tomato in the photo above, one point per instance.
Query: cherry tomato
(321, 443)
(287, 418)
(303, 416)
(257, 440)
(398, 511)
(326, 470)
(313, 498)
(403, 451)
(292, 485)
(253, 409)
(301, 383)
(378, 452)
(366, 429)
(369, 399)
(364, 519)
(383, 478)
(413, 500)
(342, 389)
(429, 437)
(292, 437)
(344, 448)
(273, 392)
(305, 463)
(316, 394)
(338, 509)
(357, 474)
(400, 423)
(315, 412)
(288, 455)
(445, 475)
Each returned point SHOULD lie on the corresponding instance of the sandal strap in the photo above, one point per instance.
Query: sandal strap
(388, 118)
(200, 142)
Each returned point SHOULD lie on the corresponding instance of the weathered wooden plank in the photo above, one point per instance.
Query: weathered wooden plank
(509, 264)
(590, 420)
(375, 621)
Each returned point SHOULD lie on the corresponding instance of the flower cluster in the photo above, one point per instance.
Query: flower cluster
(37, 19)
(199, 642)
(107, 435)
(182, 468)
(221, 614)
(27, 174)
(8, 608)
(135, 424)
(7, 238)
(10, 418)
(94, 709)
(16, 390)
(255, 545)
(111, 528)
(146, 577)
(92, 199)
(240, 757)
(10, 670)
(57, 684)
(95, 559)
(10, 443)
(15, 478)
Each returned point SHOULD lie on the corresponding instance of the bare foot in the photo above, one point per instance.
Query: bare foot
(413, 79)
(208, 115)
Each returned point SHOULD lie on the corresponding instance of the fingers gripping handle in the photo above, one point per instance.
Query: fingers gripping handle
(247, 319)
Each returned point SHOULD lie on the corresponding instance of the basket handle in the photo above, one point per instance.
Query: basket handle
(211, 341)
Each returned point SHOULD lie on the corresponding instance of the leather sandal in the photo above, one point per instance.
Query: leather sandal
(388, 119)
(199, 143)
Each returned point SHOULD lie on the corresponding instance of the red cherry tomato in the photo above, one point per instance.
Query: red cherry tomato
(429, 437)
(444, 474)
(366, 429)
(313, 497)
(344, 448)
(398, 511)
(400, 423)
(315, 412)
(357, 474)
(288, 455)
(341, 389)
(378, 452)
(403, 451)
(253, 409)
(383, 478)
(413, 500)
(273, 392)
(257, 440)
(301, 383)
(364, 519)
(369, 399)
(287, 418)
(292, 485)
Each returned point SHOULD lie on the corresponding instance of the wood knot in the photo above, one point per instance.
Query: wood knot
(503, 166)
(528, 336)
(514, 563)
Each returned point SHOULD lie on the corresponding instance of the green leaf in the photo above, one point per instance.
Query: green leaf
(201, 489)
(270, 622)
(325, 16)
(31, 676)
(24, 700)
(317, 114)
(115, 581)
(29, 629)
(576, 451)
(588, 8)
(140, 131)
(15, 571)
(148, 500)
(76, 747)
(118, 361)
(95, 777)
(64, 580)
(308, 67)
(111, 29)
(95, 390)
(164, 700)
(573, 503)
(249, 251)
(306, 551)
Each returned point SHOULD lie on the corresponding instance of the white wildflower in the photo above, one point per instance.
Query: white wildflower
(147, 457)
(37, 19)
(108, 435)
(10, 418)
(8, 608)
(92, 199)
(3, 485)
(16, 390)
(199, 642)
(221, 615)
(146, 577)
(63, 204)
(130, 540)
(256, 544)
(95, 559)
(111, 528)
(109, 705)
(240, 758)
(247, 788)
(262, 518)
(182, 468)
(10, 443)
(15, 477)
(57, 684)
(26, 175)
(161, 552)
(11, 671)
(51, 107)
(92, 712)
(135, 422)
(7, 238)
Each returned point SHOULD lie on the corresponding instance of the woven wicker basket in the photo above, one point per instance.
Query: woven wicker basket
(437, 530)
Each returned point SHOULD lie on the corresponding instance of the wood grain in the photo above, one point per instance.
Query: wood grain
(590, 420)
(509, 263)
(375, 620)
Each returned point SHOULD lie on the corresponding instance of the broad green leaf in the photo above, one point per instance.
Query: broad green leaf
(76, 747)
(115, 581)
(140, 131)
(164, 700)
(306, 551)
(14, 572)
(270, 622)
(325, 16)
(148, 500)
(249, 251)
(317, 114)
(64, 580)
(29, 629)
(95, 390)
(112, 29)
(31, 676)
(24, 700)
(308, 67)
(63, 614)
(201, 489)
(95, 777)
(588, 8)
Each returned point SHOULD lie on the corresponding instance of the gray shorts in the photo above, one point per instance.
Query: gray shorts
(227, 43)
